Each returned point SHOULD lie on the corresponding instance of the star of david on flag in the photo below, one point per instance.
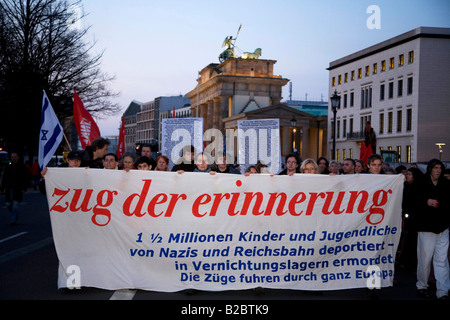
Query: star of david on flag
(51, 133)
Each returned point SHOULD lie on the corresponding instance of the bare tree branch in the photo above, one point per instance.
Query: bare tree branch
(40, 50)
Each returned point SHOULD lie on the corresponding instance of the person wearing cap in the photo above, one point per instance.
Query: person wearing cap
(74, 159)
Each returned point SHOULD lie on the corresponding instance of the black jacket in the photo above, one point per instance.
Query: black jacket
(87, 160)
(426, 218)
(15, 179)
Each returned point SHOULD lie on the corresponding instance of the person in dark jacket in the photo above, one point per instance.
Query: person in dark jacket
(93, 155)
(14, 183)
(408, 241)
(430, 208)
(186, 162)
(293, 163)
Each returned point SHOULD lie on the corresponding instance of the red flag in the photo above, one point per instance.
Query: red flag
(365, 153)
(173, 113)
(87, 128)
(121, 145)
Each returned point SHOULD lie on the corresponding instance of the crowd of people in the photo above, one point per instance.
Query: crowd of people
(424, 244)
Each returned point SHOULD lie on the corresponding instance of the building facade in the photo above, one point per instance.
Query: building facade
(142, 120)
(401, 86)
(146, 123)
(232, 87)
(248, 89)
(130, 125)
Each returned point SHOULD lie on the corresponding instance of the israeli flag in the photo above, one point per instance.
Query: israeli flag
(51, 133)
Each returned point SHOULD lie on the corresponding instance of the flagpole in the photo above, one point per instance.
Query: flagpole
(67, 141)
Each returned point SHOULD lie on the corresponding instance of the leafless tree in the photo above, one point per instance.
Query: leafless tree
(43, 47)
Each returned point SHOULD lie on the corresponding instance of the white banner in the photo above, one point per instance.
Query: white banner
(164, 231)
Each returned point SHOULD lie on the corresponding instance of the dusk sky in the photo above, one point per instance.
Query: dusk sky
(155, 48)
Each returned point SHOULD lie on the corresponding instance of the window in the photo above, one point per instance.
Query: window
(338, 130)
(359, 73)
(353, 75)
(345, 100)
(399, 120)
(352, 99)
(411, 57)
(366, 97)
(350, 151)
(381, 123)
(391, 90)
(382, 92)
(346, 77)
(367, 71)
(340, 79)
(374, 71)
(409, 87)
(391, 63)
(400, 60)
(351, 127)
(333, 81)
(344, 128)
(364, 120)
(383, 65)
(362, 98)
(408, 154)
(408, 119)
(390, 116)
(400, 88)
(399, 153)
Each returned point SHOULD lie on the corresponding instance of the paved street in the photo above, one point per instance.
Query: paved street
(28, 269)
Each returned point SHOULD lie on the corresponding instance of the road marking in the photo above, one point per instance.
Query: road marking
(125, 294)
(12, 237)
(26, 250)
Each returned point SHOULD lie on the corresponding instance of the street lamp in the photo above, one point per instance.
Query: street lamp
(335, 104)
(440, 145)
(293, 125)
(293, 122)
